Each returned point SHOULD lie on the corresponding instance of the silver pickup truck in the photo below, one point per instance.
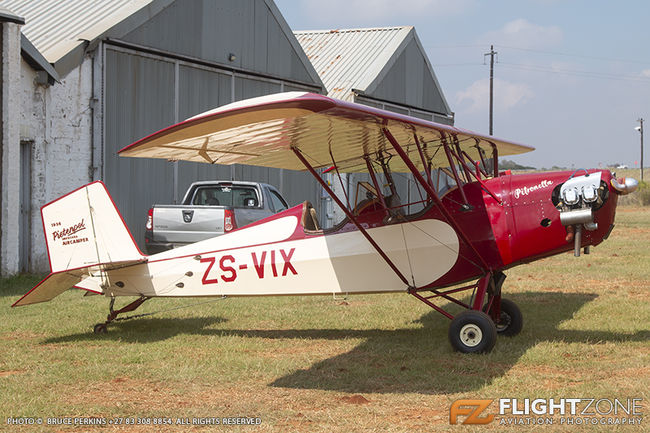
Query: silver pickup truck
(210, 209)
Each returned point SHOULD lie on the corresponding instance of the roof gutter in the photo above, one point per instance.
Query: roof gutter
(36, 60)
(6, 16)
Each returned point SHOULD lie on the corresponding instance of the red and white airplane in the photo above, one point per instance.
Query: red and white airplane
(458, 242)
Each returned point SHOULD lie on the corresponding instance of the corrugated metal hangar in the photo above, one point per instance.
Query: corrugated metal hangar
(385, 68)
(82, 79)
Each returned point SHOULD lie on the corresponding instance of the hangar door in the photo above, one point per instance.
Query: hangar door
(145, 92)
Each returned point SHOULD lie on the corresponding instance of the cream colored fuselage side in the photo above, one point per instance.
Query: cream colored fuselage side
(260, 260)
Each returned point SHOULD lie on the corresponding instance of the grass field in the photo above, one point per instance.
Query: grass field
(368, 363)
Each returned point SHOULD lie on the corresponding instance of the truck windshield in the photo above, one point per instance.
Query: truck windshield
(236, 196)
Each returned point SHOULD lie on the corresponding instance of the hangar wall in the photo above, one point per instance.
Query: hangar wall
(175, 59)
(409, 82)
(10, 173)
(189, 58)
(176, 63)
(56, 127)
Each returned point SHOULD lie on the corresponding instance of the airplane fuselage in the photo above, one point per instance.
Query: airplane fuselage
(277, 256)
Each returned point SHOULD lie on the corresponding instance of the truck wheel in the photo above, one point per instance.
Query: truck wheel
(472, 332)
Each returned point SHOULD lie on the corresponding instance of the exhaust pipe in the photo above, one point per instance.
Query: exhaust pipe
(625, 186)
(574, 220)
(578, 240)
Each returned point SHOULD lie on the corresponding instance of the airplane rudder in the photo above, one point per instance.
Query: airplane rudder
(84, 228)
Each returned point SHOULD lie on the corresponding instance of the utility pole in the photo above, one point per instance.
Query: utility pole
(640, 129)
(492, 53)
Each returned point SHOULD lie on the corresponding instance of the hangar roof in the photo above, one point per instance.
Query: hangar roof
(352, 58)
(355, 61)
(63, 31)
(27, 49)
(8, 16)
(56, 27)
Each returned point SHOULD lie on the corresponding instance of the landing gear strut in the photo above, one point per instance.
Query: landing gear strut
(510, 320)
(102, 328)
(475, 330)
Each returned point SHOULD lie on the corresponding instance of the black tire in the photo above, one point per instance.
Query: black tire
(472, 332)
(511, 321)
(100, 328)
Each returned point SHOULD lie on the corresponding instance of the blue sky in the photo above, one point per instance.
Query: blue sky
(572, 76)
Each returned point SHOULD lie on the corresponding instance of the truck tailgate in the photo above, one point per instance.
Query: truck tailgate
(187, 224)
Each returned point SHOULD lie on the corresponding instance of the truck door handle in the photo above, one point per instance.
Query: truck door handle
(188, 215)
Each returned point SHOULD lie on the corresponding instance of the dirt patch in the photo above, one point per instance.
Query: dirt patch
(133, 393)
(632, 232)
(11, 372)
(354, 399)
(422, 413)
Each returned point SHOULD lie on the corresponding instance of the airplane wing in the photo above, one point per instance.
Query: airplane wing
(262, 131)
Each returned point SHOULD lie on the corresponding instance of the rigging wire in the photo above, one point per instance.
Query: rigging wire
(221, 298)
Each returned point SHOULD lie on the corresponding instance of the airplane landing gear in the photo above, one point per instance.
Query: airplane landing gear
(486, 315)
(472, 332)
(102, 328)
(510, 321)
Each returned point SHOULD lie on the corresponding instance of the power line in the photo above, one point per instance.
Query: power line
(458, 64)
(578, 73)
(583, 56)
(454, 46)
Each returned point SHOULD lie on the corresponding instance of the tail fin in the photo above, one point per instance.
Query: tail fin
(83, 230)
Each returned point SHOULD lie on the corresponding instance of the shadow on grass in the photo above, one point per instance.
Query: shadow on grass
(421, 360)
(407, 360)
(144, 330)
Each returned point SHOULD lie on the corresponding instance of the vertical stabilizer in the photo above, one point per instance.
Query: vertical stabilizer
(84, 228)
(83, 232)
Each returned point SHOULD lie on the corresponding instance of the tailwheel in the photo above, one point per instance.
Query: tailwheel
(102, 328)
(472, 332)
(511, 321)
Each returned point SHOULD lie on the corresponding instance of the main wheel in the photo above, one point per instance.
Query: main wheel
(511, 321)
(100, 328)
(472, 332)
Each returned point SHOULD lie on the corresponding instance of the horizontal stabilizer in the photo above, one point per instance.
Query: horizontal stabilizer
(58, 282)
(53, 285)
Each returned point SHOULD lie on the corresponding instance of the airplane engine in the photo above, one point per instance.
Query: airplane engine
(577, 199)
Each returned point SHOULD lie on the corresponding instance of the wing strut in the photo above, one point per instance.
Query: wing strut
(432, 193)
(376, 184)
(449, 157)
(351, 216)
(459, 157)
